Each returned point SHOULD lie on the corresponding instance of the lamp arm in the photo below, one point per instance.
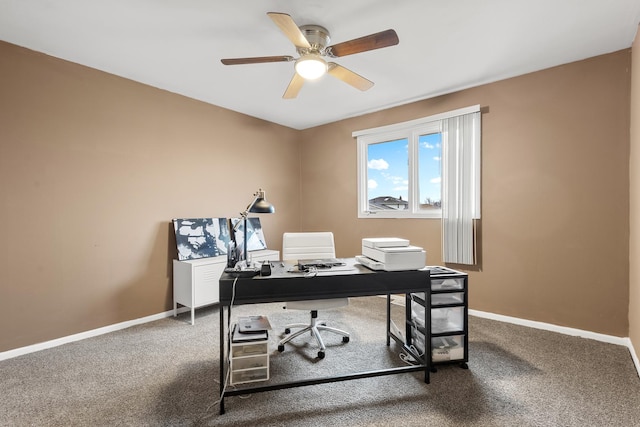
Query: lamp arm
(258, 198)
(245, 214)
(250, 205)
(243, 221)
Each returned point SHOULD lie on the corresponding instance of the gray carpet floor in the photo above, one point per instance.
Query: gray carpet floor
(165, 373)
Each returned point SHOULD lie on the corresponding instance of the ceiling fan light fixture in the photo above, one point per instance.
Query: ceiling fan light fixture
(311, 67)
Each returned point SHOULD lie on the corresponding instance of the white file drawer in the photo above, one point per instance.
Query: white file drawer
(448, 298)
(448, 319)
(250, 362)
(443, 349)
(249, 349)
(445, 284)
(249, 375)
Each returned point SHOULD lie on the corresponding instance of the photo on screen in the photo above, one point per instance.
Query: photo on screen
(255, 237)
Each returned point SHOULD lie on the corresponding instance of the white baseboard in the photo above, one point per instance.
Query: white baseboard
(550, 327)
(626, 342)
(88, 334)
(634, 356)
(523, 322)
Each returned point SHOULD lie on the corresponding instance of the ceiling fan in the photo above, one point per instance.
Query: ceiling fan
(311, 44)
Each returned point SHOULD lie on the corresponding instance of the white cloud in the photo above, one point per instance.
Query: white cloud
(372, 184)
(394, 179)
(437, 158)
(378, 164)
(427, 145)
(436, 180)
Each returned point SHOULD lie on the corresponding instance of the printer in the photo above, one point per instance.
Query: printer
(391, 254)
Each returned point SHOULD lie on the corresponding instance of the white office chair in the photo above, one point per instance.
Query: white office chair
(315, 245)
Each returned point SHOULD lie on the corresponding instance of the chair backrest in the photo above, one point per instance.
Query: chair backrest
(312, 245)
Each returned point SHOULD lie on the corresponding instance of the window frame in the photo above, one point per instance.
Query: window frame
(411, 131)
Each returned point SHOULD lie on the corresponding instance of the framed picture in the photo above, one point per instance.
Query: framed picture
(255, 237)
(201, 237)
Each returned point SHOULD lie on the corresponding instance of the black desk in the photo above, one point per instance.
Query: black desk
(352, 280)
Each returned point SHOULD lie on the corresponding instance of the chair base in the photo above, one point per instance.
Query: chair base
(314, 328)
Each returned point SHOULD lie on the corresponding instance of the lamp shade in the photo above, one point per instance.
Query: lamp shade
(311, 66)
(260, 204)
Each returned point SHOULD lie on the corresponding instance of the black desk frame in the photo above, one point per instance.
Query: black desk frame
(282, 286)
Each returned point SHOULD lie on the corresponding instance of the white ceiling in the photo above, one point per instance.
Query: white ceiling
(445, 45)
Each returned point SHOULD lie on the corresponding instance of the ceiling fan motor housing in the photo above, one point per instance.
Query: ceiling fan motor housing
(318, 38)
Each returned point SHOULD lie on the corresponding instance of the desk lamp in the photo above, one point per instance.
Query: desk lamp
(259, 205)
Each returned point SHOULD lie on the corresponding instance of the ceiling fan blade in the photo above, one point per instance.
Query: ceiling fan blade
(294, 87)
(256, 60)
(349, 77)
(373, 41)
(290, 29)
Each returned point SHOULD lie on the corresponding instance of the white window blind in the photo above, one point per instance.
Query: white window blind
(461, 144)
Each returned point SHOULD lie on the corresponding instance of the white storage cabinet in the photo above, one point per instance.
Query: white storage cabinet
(196, 281)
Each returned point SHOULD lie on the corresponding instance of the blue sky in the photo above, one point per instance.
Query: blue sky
(388, 171)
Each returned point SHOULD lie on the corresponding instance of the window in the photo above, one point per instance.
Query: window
(401, 173)
(400, 168)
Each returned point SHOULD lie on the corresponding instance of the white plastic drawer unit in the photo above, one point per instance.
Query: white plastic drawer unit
(447, 319)
(249, 362)
(249, 376)
(448, 298)
(441, 284)
(443, 349)
(249, 349)
(249, 369)
(445, 286)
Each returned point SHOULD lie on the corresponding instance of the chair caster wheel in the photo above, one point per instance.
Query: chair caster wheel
(345, 339)
(281, 348)
(287, 331)
(464, 366)
(321, 355)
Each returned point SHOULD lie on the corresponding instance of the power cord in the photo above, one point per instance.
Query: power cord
(408, 358)
(228, 358)
(311, 272)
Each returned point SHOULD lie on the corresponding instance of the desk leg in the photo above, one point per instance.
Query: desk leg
(388, 320)
(427, 335)
(407, 319)
(223, 363)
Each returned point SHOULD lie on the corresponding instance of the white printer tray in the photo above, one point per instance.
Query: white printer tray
(398, 258)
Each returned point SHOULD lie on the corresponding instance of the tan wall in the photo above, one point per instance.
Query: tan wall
(634, 169)
(93, 167)
(555, 202)
(92, 170)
